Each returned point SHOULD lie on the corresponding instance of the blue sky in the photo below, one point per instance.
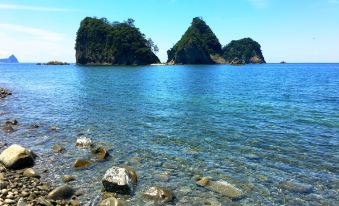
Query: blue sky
(290, 30)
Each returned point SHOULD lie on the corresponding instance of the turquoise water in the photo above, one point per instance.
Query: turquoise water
(259, 127)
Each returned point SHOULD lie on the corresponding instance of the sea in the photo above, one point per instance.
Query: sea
(270, 130)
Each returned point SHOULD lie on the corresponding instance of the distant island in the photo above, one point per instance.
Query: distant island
(99, 42)
(54, 63)
(199, 45)
(11, 59)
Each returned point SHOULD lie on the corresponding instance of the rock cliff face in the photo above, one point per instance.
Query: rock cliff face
(100, 42)
(10, 59)
(245, 50)
(196, 46)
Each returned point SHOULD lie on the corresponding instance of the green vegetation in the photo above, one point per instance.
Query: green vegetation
(100, 42)
(246, 50)
(196, 46)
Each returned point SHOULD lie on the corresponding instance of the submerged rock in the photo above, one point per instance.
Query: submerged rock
(30, 172)
(82, 163)
(83, 142)
(159, 194)
(298, 187)
(61, 193)
(112, 201)
(221, 187)
(4, 93)
(68, 178)
(8, 129)
(17, 157)
(54, 128)
(57, 148)
(119, 180)
(100, 153)
(12, 122)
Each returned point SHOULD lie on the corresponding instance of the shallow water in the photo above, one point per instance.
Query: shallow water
(258, 127)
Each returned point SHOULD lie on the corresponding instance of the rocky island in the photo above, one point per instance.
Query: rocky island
(99, 42)
(196, 46)
(199, 45)
(11, 59)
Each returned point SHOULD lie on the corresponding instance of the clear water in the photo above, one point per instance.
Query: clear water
(255, 126)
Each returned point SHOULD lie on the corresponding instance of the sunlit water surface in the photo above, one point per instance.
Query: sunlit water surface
(255, 126)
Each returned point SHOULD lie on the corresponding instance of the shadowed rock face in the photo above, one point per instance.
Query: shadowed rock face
(17, 157)
(246, 50)
(196, 46)
(100, 42)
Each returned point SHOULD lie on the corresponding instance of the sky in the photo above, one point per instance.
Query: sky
(288, 30)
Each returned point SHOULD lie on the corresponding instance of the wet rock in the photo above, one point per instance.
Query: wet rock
(203, 181)
(100, 153)
(159, 194)
(11, 122)
(83, 142)
(17, 157)
(119, 180)
(54, 128)
(4, 93)
(34, 126)
(68, 178)
(61, 193)
(112, 201)
(8, 129)
(298, 187)
(132, 173)
(82, 163)
(75, 202)
(57, 148)
(221, 187)
(30, 172)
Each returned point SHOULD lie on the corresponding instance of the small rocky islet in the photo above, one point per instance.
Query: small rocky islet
(100, 42)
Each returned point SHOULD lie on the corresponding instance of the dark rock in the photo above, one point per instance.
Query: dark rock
(159, 194)
(17, 157)
(61, 193)
(119, 180)
(4, 93)
(100, 153)
(57, 148)
(34, 126)
(8, 129)
(82, 163)
(12, 122)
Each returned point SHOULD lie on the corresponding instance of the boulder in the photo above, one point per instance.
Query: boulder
(159, 194)
(4, 93)
(8, 129)
(100, 153)
(119, 180)
(61, 193)
(17, 157)
(12, 122)
(221, 187)
(112, 201)
(82, 163)
(57, 148)
(68, 178)
(296, 187)
(30, 172)
(83, 142)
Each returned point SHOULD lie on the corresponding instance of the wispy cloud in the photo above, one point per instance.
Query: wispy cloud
(259, 3)
(333, 1)
(36, 33)
(33, 8)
